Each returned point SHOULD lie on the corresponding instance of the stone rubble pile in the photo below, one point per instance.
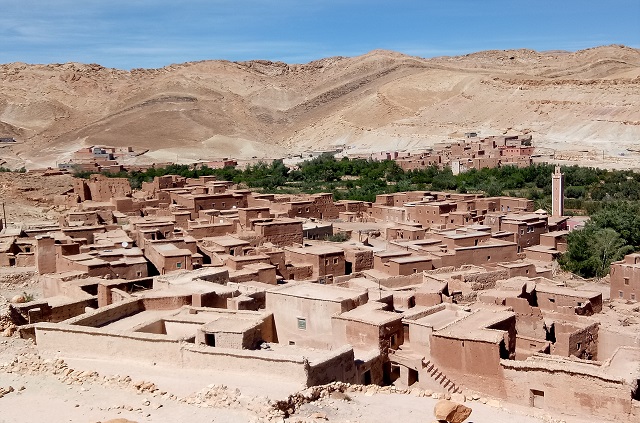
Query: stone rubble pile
(7, 327)
(31, 364)
(5, 391)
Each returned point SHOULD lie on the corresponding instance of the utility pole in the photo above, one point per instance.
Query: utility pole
(4, 214)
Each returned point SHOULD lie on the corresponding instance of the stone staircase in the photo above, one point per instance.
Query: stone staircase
(435, 374)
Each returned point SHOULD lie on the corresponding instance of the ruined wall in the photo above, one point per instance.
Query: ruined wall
(572, 340)
(360, 259)
(280, 234)
(566, 391)
(340, 367)
(485, 280)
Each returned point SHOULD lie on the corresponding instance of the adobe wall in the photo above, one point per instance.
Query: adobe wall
(401, 281)
(280, 234)
(210, 299)
(484, 281)
(375, 367)
(101, 188)
(298, 272)
(567, 304)
(107, 314)
(482, 255)
(469, 363)
(340, 367)
(529, 320)
(269, 363)
(571, 340)
(287, 309)
(67, 311)
(360, 259)
(45, 255)
(566, 391)
(212, 229)
(625, 281)
(87, 342)
(609, 340)
(170, 302)
(359, 335)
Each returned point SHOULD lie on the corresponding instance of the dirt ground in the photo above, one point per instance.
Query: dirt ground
(27, 198)
(98, 390)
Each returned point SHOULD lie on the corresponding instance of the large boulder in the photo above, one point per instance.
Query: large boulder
(451, 412)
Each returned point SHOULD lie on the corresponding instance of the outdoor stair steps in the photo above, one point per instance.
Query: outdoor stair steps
(440, 377)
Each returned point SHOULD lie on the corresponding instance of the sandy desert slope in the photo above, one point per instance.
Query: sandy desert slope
(583, 101)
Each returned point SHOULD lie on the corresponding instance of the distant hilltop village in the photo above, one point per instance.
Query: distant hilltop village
(445, 292)
(471, 153)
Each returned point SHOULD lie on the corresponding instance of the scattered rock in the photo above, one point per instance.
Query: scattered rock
(494, 403)
(451, 412)
(18, 299)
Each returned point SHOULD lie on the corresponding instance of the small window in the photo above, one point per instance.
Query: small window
(139, 274)
(415, 270)
(178, 265)
(335, 261)
(223, 204)
(626, 281)
(620, 294)
(633, 296)
(552, 300)
(302, 323)
(578, 346)
(488, 257)
(307, 210)
(326, 262)
(292, 343)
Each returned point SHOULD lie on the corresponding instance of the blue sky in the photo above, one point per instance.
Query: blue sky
(153, 33)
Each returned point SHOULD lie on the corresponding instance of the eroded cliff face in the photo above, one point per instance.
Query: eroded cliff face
(587, 100)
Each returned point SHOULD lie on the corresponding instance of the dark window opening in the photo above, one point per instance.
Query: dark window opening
(536, 398)
(210, 339)
(366, 378)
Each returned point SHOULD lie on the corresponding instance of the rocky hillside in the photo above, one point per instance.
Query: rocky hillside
(587, 100)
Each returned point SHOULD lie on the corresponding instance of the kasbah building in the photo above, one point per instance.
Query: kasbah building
(452, 293)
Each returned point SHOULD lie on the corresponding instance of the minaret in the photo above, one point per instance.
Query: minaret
(557, 193)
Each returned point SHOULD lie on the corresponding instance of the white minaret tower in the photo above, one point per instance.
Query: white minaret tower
(557, 193)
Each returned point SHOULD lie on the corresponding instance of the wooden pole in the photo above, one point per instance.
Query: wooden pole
(4, 214)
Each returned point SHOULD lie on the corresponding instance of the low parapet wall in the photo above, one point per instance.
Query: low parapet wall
(88, 342)
(72, 340)
(267, 363)
(105, 315)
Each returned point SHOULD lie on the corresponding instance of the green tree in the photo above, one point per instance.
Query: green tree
(591, 251)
